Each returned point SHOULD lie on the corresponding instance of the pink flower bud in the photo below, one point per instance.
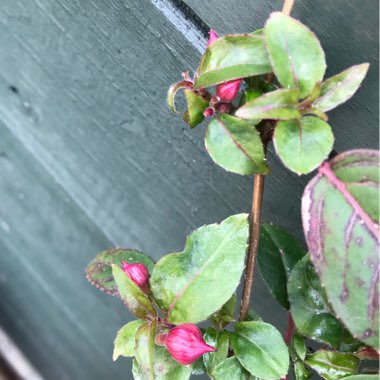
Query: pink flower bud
(209, 112)
(138, 273)
(225, 92)
(213, 37)
(186, 344)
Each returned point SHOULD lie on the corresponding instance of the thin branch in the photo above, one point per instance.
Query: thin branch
(287, 8)
(254, 231)
(254, 237)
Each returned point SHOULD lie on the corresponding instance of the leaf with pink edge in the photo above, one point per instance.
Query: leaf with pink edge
(236, 146)
(232, 57)
(99, 270)
(303, 144)
(297, 58)
(339, 88)
(340, 212)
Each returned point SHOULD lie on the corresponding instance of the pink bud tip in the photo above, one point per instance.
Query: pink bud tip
(209, 112)
(138, 273)
(186, 344)
(213, 37)
(225, 92)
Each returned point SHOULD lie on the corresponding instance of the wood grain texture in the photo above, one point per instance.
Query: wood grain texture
(90, 157)
(46, 303)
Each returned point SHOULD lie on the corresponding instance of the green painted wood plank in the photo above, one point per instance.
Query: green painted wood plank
(46, 303)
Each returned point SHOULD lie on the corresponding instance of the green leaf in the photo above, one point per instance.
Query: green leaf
(99, 270)
(236, 146)
(333, 365)
(124, 344)
(145, 347)
(298, 351)
(279, 251)
(220, 340)
(225, 315)
(258, 32)
(279, 104)
(260, 349)
(230, 369)
(313, 95)
(174, 88)
(300, 372)
(340, 212)
(363, 377)
(303, 144)
(195, 107)
(253, 316)
(296, 55)
(251, 94)
(310, 311)
(166, 368)
(298, 347)
(193, 284)
(137, 371)
(132, 296)
(339, 88)
(232, 57)
(198, 368)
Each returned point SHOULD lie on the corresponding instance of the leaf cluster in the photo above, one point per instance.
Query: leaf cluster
(291, 112)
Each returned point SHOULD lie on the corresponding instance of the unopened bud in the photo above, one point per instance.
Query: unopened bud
(209, 112)
(186, 344)
(226, 92)
(213, 37)
(138, 273)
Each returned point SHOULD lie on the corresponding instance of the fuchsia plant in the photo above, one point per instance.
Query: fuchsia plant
(261, 88)
(138, 273)
(186, 344)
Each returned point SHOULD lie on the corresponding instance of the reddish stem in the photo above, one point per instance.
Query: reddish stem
(290, 330)
(254, 237)
(257, 203)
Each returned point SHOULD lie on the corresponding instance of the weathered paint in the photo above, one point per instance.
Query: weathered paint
(92, 158)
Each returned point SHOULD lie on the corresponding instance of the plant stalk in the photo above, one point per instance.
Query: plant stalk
(287, 8)
(254, 237)
(254, 230)
(290, 330)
